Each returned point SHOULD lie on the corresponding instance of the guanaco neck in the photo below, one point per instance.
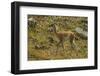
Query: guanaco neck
(55, 30)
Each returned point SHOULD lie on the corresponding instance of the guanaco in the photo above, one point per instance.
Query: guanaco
(65, 35)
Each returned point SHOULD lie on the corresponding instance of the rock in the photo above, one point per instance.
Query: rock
(83, 34)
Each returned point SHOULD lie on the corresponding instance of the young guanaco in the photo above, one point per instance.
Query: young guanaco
(62, 35)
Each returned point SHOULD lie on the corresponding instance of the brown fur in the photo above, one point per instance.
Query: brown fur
(65, 34)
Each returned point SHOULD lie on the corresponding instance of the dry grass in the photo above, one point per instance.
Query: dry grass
(45, 41)
(52, 53)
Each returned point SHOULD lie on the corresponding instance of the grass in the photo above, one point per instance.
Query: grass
(41, 48)
(52, 53)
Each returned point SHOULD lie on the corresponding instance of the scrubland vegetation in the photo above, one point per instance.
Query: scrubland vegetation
(42, 42)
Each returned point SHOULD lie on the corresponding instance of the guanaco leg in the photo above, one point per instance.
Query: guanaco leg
(58, 44)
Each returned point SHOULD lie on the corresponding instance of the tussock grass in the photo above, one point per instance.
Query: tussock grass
(52, 53)
(42, 43)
